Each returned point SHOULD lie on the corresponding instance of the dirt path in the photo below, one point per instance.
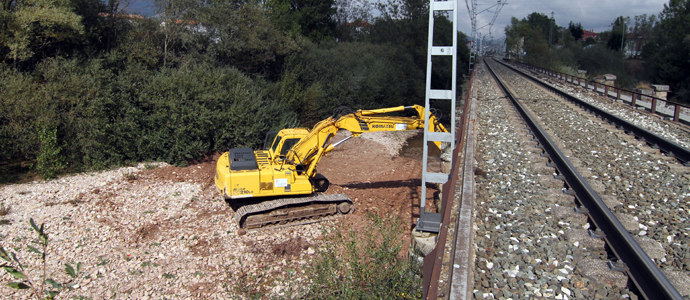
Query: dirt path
(157, 231)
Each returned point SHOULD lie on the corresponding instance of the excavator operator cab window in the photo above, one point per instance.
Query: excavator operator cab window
(270, 137)
(287, 144)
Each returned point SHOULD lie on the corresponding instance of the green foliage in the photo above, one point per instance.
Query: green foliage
(49, 161)
(543, 24)
(670, 54)
(314, 19)
(526, 38)
(617, 37)
(404, 23)
(358, 75)
(104, 119)
(366, 265)
(576, 30)
(589, 41)
(572, 53)
(94, 88)
(46, 286)
(244, 36)
(615, 41)
(174, 14)
(598, 60)
(32, 25)
(138, 47)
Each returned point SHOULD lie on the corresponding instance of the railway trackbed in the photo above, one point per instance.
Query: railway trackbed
(578, 210)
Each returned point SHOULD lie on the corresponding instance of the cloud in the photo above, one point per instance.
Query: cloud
(593, 14)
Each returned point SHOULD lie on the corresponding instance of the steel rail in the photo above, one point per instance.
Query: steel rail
(650, 281)
(436, 265)
(666, 146)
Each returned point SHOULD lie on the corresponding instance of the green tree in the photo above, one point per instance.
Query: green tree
(243, 35)
(541, 23)
(642, 31)
(619, 29)
(537, 49)
(114, 26)
(599, 60)
(174, 14)
(673, 58)
(314, 19)
(403, 23)
(576, 30)
(30, 26)
(523, 35)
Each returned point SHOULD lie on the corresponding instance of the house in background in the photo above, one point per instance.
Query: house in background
(589, 34)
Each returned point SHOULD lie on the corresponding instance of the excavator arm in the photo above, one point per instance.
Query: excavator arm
(310, 149)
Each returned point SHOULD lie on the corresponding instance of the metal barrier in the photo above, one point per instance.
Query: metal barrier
(634, 96)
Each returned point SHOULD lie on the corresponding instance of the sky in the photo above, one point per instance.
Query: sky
(142, 7)
(593, 14)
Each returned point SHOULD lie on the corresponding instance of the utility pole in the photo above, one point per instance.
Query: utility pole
(473, 40)
(551, 30)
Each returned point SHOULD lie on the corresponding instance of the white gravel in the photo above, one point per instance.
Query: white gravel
(144, 239)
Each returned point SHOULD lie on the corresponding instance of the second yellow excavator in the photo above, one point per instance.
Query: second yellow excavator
(285, 171)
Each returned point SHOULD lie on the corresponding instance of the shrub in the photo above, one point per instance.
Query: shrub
(91, 118)
(49, 161)
(366, 265)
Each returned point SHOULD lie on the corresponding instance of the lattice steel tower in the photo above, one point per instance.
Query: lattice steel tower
(431, 221)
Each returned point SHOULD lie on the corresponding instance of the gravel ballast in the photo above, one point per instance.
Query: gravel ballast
(654, 189)
(530, 242)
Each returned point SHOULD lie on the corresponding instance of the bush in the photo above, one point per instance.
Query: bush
(89, 117)
(49, 161)
(366, 265)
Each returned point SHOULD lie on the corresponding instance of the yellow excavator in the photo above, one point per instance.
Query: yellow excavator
(284, 173)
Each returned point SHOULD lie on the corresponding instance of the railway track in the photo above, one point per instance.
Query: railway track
(657, 134)
(606, 222)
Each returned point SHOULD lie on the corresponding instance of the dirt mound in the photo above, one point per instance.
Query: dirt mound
(199, 171)
(292, 247)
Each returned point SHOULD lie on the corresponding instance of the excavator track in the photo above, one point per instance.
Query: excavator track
(292, 211)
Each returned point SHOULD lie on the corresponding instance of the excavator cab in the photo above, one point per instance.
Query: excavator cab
(282, 141)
